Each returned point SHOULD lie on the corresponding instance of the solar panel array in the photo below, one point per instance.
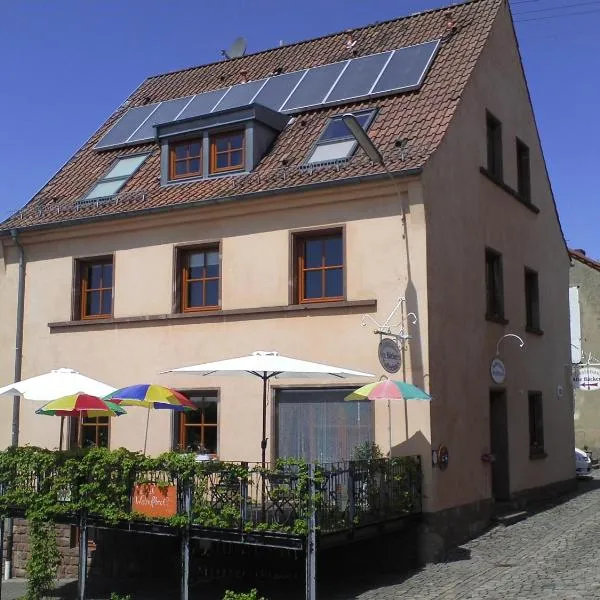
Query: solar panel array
(369, 76)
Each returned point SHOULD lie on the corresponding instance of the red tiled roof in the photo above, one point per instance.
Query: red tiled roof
(421, 117)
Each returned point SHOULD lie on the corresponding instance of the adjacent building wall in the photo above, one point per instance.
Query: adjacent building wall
(466, 212)
(587, 402)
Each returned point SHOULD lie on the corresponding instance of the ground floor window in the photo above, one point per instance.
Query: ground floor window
(89, 432)
(317, 424)
(197, 430)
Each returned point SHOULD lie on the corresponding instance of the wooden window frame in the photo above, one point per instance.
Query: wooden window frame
(532, 301)
(79, 423)
(494, 290)
(173, 160)
(536, 424)
(494, 146)
(523, 171)
(213, 169)
(299, 241)
(81, 288)
(180, 418)
(182, 287)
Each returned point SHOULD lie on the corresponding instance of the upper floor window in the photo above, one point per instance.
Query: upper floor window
(336, 142)
(494, 285)
(494, 146)
(523, 174)
(227, 152)
(94, 288)
(532, 301)
(185, 159)
(200, 278)
(110, 184)
(319, 266)
(197, 430)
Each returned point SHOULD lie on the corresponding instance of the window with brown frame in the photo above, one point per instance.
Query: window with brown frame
(319, 267)
(94, 288)
(227, 152)
(89, 432)
(523, 171)
(200, 278)
(494, 286)
(185, 159)
(494, 146)
(532, 301)
(197, 430)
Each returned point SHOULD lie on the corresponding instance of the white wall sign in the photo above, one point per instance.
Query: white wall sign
(586, 378)
(390, 357)
(498, 371)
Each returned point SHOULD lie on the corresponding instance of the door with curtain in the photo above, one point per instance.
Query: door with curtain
(317, 424)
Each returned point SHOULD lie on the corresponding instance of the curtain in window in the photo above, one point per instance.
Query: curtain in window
(318, 425)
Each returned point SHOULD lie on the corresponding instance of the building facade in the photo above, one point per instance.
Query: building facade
(585, 348)
(174, 238)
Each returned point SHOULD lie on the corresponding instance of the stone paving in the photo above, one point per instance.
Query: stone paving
(552, 555)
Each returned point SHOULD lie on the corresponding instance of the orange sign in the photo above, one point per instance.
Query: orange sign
(155, 501)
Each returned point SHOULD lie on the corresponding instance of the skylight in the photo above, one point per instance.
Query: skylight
(336, 142)
(117, 176)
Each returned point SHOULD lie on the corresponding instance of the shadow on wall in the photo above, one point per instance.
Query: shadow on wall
(415, 348)
(417, 444)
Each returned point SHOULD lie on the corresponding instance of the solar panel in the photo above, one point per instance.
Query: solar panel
(314, 87)
(118, 134)
(277, 89)
(166, 111)
(359, 77)
(202, 104)
(376, 74)
(240, 95)
(406, 69)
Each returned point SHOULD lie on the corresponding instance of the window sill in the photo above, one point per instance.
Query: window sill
(496, 319)
(534, 330)
(537, 454)
(509, 190)
(235, 314)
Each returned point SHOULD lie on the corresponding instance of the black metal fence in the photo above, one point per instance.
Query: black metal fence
(240, 496)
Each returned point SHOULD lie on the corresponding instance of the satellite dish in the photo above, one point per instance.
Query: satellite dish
(237, 49)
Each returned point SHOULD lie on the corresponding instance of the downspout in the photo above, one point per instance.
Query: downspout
(14, 234)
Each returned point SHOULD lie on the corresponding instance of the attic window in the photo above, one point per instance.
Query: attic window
(336, 142)
(117, 176)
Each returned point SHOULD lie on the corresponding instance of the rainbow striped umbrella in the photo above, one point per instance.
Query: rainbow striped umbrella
(150, 396)
(80, 404)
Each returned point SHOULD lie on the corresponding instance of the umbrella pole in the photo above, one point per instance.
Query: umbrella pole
(263, 444)
(390, 424)
(146, 434)
(62, 430)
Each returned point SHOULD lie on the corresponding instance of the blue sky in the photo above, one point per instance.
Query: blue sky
(67, 64)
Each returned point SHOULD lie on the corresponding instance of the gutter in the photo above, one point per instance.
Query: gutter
(14, 234)
(220, 200)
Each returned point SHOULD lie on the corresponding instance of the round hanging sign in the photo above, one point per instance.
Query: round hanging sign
(389, 355)
(498, 371)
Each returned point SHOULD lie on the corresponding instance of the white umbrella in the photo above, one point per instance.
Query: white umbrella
(56, 384)
(266, 366)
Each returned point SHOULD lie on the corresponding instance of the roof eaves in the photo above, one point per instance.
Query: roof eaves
(357, 179)
(590, 262)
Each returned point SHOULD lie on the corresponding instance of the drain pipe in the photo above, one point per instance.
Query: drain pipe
(14, 234)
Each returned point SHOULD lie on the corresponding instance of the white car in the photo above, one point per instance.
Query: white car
(583, 463)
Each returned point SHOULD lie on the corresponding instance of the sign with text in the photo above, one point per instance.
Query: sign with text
(586, 378)
(153, 500)
(390, 357)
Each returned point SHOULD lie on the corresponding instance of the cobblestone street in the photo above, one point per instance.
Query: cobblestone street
(552, 555)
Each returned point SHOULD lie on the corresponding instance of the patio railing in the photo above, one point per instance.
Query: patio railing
(212, 495)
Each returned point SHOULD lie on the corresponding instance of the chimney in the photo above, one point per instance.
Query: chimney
(244, 76)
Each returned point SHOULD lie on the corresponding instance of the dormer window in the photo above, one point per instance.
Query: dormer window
(336, 142)
(185, 159)
(117, 176)
(227, 152)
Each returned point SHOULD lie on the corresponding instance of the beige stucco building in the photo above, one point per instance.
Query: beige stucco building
(467, 233)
